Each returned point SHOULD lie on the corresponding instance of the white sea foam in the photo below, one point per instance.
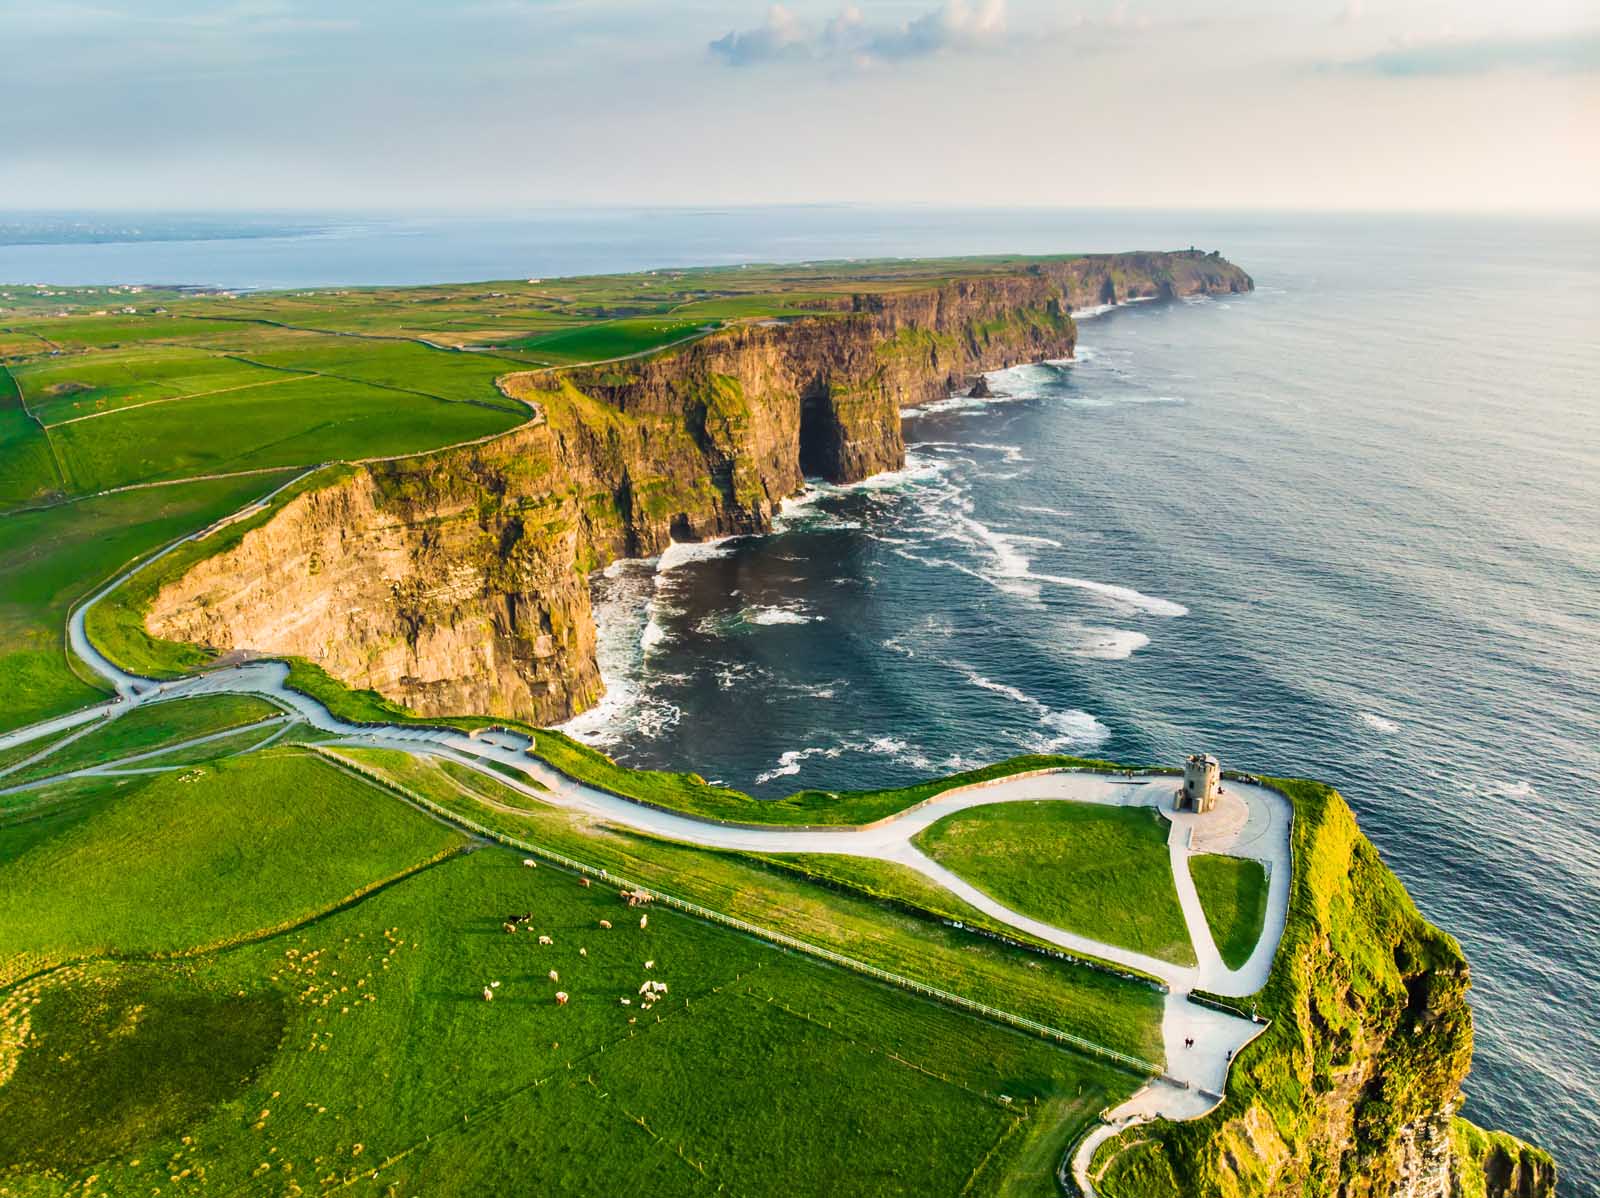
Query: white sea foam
(622, 616)
(1109, 644)
(1058, 730)
(1521, 789)
(1378, 723)
(1124, 596)
(682, 552)
(775, 614)
(789, 763)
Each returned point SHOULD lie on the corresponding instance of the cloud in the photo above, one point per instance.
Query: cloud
(849, 37)
(781, 37)
(1562, 53)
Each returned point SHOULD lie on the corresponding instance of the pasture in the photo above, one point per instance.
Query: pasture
(895, 926)
(208, 855)
(1100, 871)
(51, 557)
(320, 1043)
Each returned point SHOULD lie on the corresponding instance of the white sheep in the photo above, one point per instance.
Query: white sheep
(649, 964)
(488, 994)
(545, 940)
(606, 924)
(583, 952)
(644, 921)
(529, 863)
(554, 976)
(561, 998)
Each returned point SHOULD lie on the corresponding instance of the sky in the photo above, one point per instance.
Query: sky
(505, 104)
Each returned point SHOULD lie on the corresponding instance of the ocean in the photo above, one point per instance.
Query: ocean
(1346, 527)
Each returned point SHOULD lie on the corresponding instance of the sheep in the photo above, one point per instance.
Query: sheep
(545, 940)
(509, 926)
(561, 998)
(529, 863)
(644, 921)
(606, 924)
(488, 994)
(554, 976)
(649, 964)
(583, 952)
(584, 882)
(626, 1001)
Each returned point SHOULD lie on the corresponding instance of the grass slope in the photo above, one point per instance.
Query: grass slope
(204, 856)
(1233, 892)
(148, 727)
(52, 557)
(901, 936)
(355, 1051)
(1099, 871)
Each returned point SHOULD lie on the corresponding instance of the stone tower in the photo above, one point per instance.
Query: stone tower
(1202, 780)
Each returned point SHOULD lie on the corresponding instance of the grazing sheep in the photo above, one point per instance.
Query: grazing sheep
(561, 998)
(554, 976)
(606, 924)
(509, 926)
(626, 1001)
(488, 994)
(583, 952)
(644, 921)
(649, 964)
(529, 863)
(584, 882)
(545, 940)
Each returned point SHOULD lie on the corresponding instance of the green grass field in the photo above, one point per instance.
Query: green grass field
(1233, 891)
(27, 469)
(148, 727)
(889, 927)
(52, 557)
(325, 1041)
(202, 856)
(1099, 871)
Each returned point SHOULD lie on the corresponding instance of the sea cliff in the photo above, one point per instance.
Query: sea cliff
(1353, 1089)
(457, 581)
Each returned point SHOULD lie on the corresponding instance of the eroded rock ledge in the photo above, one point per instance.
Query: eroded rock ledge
(458, 581)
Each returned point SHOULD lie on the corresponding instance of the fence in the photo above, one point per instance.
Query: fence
(782, 940)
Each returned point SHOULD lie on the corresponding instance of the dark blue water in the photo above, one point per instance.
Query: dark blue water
(1347, 527)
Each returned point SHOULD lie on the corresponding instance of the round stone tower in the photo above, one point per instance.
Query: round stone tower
(1202, 779)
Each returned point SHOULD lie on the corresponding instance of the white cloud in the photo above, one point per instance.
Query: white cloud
(955, 26)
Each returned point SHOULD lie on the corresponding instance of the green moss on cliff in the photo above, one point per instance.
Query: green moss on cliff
(1370, 1032)
(1492, 1164)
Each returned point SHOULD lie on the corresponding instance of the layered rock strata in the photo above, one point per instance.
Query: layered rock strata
(457, 581)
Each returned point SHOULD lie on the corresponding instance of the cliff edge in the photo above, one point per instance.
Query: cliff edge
(1352, 1090)
(457, 581)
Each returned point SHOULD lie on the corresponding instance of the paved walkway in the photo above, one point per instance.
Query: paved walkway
(1250, 821)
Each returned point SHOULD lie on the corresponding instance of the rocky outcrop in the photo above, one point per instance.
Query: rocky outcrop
(1352, 1090)
(457, 581)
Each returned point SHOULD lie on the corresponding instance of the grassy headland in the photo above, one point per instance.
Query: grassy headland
(1100, 871)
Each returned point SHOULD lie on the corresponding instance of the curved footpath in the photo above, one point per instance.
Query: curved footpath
(1250, 821)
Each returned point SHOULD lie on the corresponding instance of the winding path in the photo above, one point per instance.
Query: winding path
(1251, 821)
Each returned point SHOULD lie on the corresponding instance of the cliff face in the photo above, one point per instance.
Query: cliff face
(458, 581)
(1352, 1090)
